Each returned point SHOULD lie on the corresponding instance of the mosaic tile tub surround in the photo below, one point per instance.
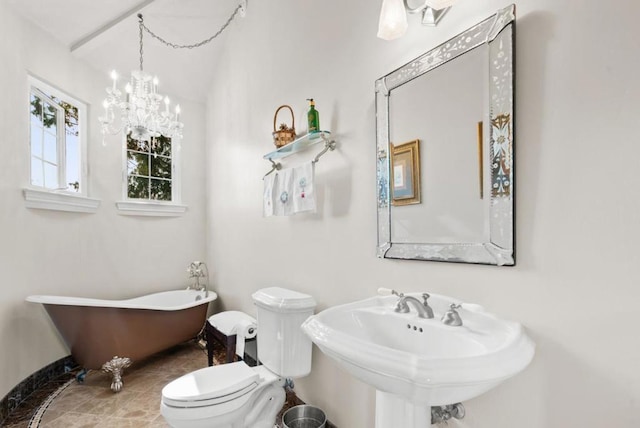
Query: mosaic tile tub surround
(35, 382)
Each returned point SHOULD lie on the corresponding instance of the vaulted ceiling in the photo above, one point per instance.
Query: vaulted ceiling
(105, 34)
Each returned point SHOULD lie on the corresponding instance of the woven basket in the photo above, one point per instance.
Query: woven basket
(284, 135)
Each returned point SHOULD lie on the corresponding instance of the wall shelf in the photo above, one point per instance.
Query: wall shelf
(299, 145)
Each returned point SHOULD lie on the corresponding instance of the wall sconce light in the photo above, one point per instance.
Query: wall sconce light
(393, 15)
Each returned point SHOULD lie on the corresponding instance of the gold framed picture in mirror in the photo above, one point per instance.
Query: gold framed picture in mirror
(405, 174)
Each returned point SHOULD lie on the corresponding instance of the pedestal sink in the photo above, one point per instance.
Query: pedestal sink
(416, 363)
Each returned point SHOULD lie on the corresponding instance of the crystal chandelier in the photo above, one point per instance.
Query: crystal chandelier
(139, 109)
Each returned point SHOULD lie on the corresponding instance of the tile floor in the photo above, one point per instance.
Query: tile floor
(65, 403)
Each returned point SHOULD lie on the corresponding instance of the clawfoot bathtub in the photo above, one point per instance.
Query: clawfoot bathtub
(111, 334)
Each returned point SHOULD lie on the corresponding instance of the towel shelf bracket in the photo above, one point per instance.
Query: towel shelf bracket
(329, 145)
(275, 166)
(299, 145)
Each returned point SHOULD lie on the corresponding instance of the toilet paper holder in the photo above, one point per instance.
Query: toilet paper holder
(230, 342)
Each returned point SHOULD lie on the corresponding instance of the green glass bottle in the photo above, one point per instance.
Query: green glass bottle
(313, 117)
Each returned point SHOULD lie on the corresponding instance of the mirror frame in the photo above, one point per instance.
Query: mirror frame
(497, 32)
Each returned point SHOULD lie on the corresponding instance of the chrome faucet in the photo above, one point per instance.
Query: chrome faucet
(199, 270)
(423, 308)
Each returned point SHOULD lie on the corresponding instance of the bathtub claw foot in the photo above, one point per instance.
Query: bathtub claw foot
(116, 367)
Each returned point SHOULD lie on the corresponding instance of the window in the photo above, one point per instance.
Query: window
(152, 185)
(150, 169)
(57, 141)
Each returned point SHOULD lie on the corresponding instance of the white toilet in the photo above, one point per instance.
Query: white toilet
(238, 396)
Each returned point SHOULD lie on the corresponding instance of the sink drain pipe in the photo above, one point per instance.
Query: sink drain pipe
(444, 413)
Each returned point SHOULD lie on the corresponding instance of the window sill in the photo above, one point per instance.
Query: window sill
(157, 209)
(58, 201)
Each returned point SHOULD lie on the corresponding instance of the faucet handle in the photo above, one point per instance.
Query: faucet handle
(425, 297)
(388, 291)
(452, 317)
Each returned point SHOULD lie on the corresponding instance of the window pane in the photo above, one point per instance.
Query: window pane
(36, 139)
(161, 146)
(37, 174)
(50, 176)
(73, 163)
(138, 188)
(50, 117)
(36, 110)
(137, 164)
(160, 167)
(50, 148)
(139, 146)
(71, 118)
(161, 190)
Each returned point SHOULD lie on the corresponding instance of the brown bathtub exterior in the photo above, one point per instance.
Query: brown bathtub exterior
(97, 334)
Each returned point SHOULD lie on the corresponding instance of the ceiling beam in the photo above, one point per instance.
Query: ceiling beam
(88, 38)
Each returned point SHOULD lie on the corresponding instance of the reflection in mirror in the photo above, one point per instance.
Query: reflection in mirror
(443, 109)
(455, 105)
(405, 175)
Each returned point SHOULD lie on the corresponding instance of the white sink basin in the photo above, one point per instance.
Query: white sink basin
(420, 360)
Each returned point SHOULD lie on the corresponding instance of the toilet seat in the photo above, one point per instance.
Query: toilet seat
(217, 396)
(211, 386)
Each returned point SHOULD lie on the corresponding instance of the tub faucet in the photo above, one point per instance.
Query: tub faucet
(423, 308)
(199, 270)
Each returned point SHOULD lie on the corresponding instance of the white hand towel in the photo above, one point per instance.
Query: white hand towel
(283, 195)
(304, 195)
(268, 199)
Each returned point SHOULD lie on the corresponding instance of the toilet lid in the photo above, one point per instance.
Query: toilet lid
(212, 382)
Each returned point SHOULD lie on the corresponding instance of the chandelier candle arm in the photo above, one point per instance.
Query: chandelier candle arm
(114, 76)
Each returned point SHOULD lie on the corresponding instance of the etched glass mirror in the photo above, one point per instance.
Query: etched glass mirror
(444, 128)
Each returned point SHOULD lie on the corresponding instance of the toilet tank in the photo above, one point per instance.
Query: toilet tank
(282, 345)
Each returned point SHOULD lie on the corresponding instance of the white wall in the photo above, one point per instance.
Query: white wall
(103, 255)
(575, 286)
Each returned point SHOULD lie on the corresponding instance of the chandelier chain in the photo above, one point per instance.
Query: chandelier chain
(141, 25)
(195, 45)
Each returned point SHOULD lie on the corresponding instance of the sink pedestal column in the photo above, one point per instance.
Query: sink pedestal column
(393, 411)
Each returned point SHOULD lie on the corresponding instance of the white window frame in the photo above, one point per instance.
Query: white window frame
(144, 207)
(60, 199)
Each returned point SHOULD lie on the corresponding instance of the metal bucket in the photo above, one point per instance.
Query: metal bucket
(304, 416)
